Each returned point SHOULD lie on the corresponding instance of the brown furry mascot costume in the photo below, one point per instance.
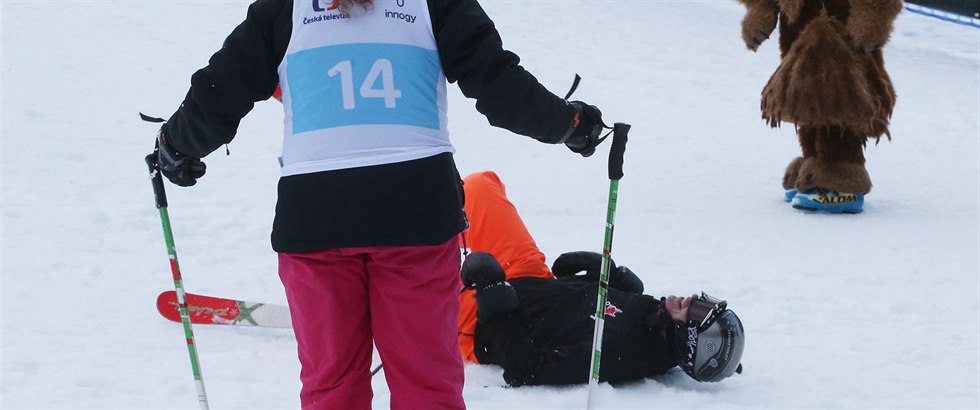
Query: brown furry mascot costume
(832, 85)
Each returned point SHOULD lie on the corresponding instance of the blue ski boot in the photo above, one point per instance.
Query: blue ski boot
(829, 201)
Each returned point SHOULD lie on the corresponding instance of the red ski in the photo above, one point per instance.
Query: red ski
(212, 310)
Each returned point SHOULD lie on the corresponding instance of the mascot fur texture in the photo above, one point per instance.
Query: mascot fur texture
(831, 84)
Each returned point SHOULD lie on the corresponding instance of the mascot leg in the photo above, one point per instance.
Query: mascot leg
(835, 179)
(808, 144)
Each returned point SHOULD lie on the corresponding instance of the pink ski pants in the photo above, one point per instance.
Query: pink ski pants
(404, 298)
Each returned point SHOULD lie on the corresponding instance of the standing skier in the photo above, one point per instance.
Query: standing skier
(539, 328)
(370, 201)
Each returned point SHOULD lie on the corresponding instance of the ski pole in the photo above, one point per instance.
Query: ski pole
(620, 130)
(160, 197)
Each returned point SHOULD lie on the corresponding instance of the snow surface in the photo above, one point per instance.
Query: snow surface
(879, 310)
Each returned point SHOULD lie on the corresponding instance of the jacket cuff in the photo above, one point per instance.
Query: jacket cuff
(572, 126)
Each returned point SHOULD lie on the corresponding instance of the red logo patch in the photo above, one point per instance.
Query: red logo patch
(612, 310)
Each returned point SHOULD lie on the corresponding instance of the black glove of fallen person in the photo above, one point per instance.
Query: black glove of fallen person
(481, 269)
(494, 296)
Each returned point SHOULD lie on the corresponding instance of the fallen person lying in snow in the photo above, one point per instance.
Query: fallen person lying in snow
(538, 323)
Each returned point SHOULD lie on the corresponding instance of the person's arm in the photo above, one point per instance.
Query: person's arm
(510, 97)
(243, 72)
(527, 364)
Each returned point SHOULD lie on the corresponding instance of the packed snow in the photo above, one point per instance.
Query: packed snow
(877, 310)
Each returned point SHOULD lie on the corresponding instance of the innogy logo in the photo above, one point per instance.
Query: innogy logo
(317, 5)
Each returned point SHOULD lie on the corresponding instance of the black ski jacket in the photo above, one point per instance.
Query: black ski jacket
(412, 203)
(548, 340)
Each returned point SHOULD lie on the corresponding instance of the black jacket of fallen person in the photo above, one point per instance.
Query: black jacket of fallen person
(547, 340)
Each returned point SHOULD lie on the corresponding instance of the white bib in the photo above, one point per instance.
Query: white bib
(362, 90)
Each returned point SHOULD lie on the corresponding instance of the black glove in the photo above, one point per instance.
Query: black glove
(621, 278)
(494, 296)
(585, 136)
(181, 169)
(572, 263)
(481, 269)
(624, 279)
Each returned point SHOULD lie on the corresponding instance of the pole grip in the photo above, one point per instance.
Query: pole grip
(620, 131)
(159, 194)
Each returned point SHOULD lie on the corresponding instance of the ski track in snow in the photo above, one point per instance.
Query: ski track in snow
(879, 310)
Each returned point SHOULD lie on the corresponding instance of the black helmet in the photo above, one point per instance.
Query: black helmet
(710, 344)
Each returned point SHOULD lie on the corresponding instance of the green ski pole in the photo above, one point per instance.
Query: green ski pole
(616, 152)
(160, 197)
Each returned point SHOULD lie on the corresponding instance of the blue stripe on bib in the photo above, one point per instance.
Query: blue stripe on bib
(363, 84)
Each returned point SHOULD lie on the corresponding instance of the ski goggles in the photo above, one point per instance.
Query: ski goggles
(704, 311)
